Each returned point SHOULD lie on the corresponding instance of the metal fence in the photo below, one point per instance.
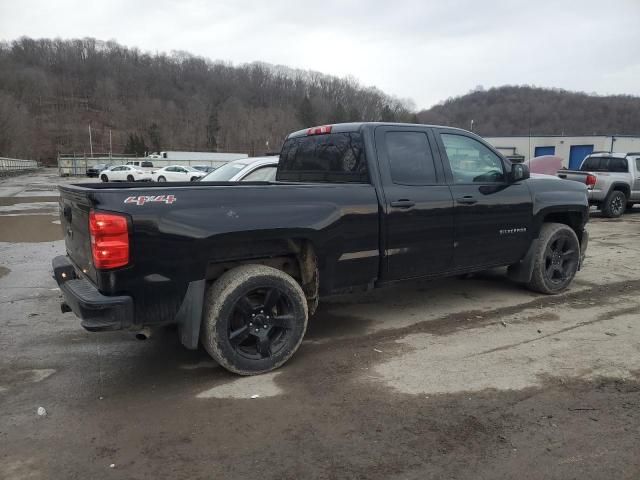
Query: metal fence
(77, 164)
(74, 164)
(13, 164)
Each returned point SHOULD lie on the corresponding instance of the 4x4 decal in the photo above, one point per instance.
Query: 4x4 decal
(142, 199)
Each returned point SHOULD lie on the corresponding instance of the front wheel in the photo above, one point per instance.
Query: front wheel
(254, 319)
(104, 178)
(162, 179)
(556, 259)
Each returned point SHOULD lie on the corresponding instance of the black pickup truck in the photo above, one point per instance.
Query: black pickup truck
(239, 267)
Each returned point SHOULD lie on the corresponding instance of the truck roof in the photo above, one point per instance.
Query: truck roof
(358, 126)
(614, 154)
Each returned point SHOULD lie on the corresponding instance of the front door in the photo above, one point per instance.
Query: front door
(492, 216)
(418, 204)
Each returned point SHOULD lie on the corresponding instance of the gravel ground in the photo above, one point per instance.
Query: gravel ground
(475, 378)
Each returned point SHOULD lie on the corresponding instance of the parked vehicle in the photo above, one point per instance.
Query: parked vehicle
(124, 173)
(177, 173)
(145, 165)
(240, 266)
(254, 169)
(94, 171)
(198, 156)
(204, 168)
(612, 179)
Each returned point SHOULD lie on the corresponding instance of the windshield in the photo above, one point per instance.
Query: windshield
(224, 173)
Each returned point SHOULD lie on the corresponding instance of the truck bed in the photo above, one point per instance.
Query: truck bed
(180, 230)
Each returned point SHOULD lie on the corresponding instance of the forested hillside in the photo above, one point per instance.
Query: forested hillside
(52, 90)
(522, 110)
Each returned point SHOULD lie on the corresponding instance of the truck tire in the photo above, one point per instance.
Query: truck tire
(556, 259)
(104, 178)
(254, 320)
(614, 205)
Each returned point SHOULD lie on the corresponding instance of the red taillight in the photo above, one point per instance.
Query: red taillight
(319, 130)
(591, 180)
(109, 240)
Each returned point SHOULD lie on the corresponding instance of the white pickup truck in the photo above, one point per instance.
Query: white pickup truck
(612, 179)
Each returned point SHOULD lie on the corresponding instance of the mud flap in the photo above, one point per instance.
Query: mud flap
(584, 243)
(523, 270)
(189, 315)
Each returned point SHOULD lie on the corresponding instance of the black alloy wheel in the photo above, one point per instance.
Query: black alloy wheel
(561, 260)
(260, 323)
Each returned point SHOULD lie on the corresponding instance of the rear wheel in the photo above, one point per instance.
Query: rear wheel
(130, 178)
(614, 205)
(162, 179)
(193, 179)
(556, 259)
(104, 178)
(254, 320)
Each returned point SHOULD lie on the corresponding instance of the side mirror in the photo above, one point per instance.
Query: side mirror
(519, 171)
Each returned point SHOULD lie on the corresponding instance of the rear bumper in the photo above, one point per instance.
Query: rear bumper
(97, 312)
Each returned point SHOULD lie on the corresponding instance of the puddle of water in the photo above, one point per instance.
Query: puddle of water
(259, 386)
(6, 201)
(29, 208)
(4, 271)
(29, 228)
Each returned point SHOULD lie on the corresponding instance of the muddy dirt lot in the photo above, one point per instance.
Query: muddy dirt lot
(474, 378)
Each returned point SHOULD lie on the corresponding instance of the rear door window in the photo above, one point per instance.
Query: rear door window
(618, 165)
(410, 158)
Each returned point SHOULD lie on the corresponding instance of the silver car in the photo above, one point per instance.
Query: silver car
(256, 169)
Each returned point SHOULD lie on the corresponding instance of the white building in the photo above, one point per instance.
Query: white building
(571, 149)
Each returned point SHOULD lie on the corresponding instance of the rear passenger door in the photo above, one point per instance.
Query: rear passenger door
(492, 216)
(419, 207)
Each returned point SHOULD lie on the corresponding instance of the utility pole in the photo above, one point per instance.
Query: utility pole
(90, 142)
(471, 125)
(110, 145)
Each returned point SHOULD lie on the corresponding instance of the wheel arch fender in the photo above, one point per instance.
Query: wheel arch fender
(621, 187)
(575, 217)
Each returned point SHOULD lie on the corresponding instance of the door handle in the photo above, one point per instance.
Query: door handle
(404, 203)
(467, 199)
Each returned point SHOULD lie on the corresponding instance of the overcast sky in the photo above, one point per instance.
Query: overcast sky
(425, 51)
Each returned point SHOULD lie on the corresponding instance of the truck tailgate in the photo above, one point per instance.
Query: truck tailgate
(575, 175)
(74, 218)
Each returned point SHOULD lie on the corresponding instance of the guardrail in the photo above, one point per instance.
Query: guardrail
(13, 164)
